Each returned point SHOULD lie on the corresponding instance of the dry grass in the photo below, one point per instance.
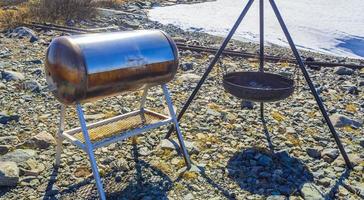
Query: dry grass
(109, 3)
(11, 17)
(60, 11)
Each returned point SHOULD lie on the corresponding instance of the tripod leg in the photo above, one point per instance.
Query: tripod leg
(175, 121)
(90, 153)
(310, 84)
(261, 51)
(212, 64)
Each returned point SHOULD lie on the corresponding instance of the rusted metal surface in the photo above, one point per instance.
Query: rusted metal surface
(91, 66)
(258, 86)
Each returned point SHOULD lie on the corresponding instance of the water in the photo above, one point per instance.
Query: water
(333, 27)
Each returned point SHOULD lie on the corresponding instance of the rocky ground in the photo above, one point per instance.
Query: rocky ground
(234, 156)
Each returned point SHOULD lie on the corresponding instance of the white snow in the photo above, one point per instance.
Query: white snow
(328, 26)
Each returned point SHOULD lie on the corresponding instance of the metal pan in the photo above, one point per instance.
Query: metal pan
(258, 86)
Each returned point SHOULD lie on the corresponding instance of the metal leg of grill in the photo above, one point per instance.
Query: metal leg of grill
(90, 152)
(59, 138)
(176, 125)
(310, 84)
(144, 98)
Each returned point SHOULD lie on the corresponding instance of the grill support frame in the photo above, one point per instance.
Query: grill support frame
(88, 146)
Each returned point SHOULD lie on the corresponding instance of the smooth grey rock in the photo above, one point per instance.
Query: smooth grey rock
(9, 174)
(2, 85)
(12, 76)
(18, 155)
(341, 120)
(311, 192)
(344, 71)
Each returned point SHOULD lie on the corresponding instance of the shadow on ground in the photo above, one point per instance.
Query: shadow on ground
(262, 172)
(148, 181)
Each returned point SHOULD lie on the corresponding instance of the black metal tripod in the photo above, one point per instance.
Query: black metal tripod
(261, 68)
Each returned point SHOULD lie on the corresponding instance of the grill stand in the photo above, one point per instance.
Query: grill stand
(88, 144)
(297, 56)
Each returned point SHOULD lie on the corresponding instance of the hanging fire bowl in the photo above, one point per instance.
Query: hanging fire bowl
(258, 86)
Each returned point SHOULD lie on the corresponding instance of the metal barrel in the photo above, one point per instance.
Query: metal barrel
(83, 68)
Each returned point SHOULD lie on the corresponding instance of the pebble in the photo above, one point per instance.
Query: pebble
(4, 149)
(32, 86)
(310, 192)
(332, 153)
(12, 76)
(247, 105)
(341, 120)
(313, 152)
(187, 66)
(361, 142)
(265, 160)
(9, 174)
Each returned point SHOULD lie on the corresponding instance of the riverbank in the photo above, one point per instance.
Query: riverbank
(225, 138)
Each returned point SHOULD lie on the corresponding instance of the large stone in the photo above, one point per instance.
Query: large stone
(42, 141)
(344, 71)
(341, 120)
(18, 156)
(22, 32)
(12, 76)
(9, 174)
(311, 192)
